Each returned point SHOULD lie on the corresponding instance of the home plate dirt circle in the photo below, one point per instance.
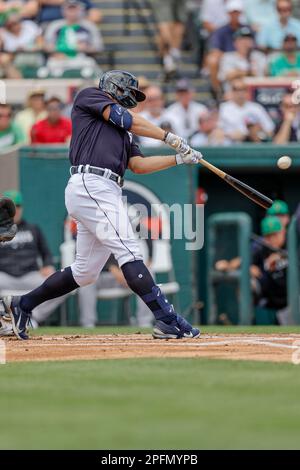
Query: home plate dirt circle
(275, 348)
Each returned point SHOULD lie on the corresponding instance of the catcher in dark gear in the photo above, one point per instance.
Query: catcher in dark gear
(8, 228)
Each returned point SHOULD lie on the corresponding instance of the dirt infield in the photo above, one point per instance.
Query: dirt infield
(275, 348)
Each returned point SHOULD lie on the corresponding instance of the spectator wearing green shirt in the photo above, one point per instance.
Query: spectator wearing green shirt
(10, 132)
(70, 41)
(286, 64)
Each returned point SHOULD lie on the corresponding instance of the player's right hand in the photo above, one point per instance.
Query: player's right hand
(191, 158)
(177, 143)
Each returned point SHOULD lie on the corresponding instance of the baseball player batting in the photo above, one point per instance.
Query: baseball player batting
(101, 149)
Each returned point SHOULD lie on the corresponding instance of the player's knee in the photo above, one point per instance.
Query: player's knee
(83, 277)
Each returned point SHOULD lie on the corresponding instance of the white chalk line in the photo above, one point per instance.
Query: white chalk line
(287, 337)
(139, 339)
(196, 344)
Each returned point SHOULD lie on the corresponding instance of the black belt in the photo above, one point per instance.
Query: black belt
(97, 171)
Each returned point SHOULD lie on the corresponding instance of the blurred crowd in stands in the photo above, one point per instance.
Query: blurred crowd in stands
(240, 39)
(47, 120)
(53, 36)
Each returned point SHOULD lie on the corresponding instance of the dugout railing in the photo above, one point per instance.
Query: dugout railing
(242, 225)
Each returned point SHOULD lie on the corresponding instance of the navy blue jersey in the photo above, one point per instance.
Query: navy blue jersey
(95, 141)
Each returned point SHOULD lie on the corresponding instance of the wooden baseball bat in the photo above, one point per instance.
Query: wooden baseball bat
(243, 188)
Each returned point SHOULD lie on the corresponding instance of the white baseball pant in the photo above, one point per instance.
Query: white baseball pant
(103, 226)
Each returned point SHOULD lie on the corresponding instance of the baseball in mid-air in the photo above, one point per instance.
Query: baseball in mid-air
(284, 162)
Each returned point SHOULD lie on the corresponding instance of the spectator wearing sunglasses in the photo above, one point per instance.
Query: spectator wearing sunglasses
(10, 132)
(272, 36)
(55, 129)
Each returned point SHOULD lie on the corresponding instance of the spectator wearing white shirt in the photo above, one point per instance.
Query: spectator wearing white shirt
(184, 114)
(213, 15)
(17, 35)
(208, 133)
(20, 35)
(237, 113)
(71, 39)
(244, 61)
(154, 112)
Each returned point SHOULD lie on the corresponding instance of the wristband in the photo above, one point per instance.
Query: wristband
(179, 159)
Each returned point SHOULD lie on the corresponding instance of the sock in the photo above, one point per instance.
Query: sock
(142, 283)
(59, 283)
(175, 53)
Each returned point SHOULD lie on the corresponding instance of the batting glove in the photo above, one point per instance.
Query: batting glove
(191, 158)
(177, 143)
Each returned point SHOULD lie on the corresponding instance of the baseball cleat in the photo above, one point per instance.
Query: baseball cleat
(6, 326)
(19, 318)
(178, 328)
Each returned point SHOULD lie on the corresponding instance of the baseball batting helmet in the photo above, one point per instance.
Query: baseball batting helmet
(123, 87)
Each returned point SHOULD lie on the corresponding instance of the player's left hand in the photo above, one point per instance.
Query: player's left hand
(191, 158)
(177, 143)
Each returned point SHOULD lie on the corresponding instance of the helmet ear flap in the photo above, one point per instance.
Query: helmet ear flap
(128, 99)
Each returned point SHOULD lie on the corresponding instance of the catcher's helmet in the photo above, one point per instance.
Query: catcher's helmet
(123, 87)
